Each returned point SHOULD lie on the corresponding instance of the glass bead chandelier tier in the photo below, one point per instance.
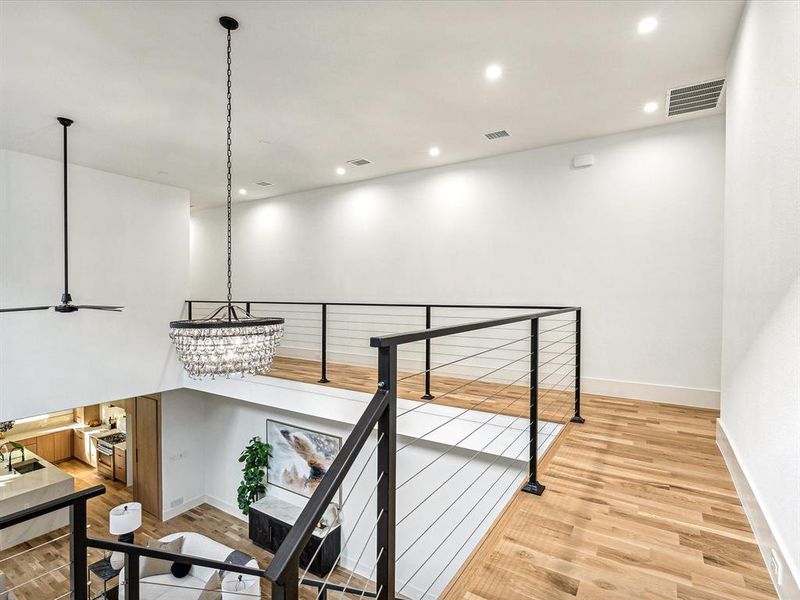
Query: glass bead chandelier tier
(212, 347)
(231, 341)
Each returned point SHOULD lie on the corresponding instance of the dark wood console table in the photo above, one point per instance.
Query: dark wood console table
(270, 521)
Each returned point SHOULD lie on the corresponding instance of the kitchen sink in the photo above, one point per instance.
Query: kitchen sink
(28, 466)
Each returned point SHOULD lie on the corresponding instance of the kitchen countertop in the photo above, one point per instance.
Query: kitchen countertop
(12, 485)
(15, 437)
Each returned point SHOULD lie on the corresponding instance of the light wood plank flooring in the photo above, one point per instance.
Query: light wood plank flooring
(204, 519)
(554, 406)
(639, 504)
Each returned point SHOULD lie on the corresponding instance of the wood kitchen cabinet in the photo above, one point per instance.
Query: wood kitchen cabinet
(30, 444)
(121, 465)
(63, 445)
(46, 447)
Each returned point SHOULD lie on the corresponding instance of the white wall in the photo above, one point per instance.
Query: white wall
(484, 464)
(761, 330)
(129, 243)
(636, 240)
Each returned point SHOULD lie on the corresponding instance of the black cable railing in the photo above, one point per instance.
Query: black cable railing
(551, 354)
(461, 461)
(313, 328)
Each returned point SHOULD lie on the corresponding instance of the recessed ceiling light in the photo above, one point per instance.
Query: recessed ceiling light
(340, 170)
(242, 192)
(650, 107)
(494, 72)
(647, 25)
(434, 151)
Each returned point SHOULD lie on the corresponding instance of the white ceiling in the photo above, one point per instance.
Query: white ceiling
(318, 83)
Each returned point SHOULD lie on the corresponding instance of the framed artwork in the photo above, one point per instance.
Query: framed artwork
(300, 457)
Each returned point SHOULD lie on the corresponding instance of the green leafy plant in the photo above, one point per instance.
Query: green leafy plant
(255, 457)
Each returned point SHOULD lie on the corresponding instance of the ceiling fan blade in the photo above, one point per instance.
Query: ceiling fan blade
(24, 308)
(98, 307)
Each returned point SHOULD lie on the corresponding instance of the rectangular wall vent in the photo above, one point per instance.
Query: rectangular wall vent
(691, 98)
(493, 135)
(359, 162)
(263, 183)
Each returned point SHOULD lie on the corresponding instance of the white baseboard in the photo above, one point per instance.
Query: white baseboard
(231, 509)
(652, 392)
(170, 513)
(633, 390)
(787, 588)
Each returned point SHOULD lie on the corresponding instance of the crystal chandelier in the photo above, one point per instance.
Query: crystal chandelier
(230, 341)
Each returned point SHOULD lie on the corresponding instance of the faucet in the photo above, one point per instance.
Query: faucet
(9, 449)
(11, 446)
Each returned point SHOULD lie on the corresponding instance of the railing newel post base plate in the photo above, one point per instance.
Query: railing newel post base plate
(427, 397)
(534, 487)
(324, 380)
(577, 419)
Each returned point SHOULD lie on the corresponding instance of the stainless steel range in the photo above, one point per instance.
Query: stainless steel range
(105, 453)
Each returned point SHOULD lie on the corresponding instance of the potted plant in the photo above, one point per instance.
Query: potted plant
(255, 457)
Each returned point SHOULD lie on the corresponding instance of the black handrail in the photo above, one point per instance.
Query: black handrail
(200, 561)
(381, 412)
(390, 304)
(297, 538)
(67, 501)
(429, 334)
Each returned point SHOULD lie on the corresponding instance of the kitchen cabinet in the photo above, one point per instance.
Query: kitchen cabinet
(120, 465)
(30, 444)
(63, 445)
(46, 447)
(79, 446)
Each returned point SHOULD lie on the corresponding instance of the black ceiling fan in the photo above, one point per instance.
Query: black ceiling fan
(66, 305)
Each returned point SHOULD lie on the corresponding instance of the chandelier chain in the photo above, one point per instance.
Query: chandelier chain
(229, 175)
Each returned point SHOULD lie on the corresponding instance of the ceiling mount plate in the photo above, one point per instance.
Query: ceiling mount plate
(229, 23)
(65, 121)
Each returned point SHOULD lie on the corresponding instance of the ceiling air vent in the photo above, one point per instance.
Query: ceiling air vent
(359, 162)
(263, 183)
(493, 135)
(691, 98)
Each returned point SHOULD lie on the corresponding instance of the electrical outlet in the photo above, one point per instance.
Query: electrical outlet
(775, 566)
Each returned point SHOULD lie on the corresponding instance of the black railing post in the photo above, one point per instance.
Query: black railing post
(132, 576)
(427, 395)
(578, 418)
(79, 572)
(387, 451)
(288, 586)
(533, 486)
(190, 309)
(247, 307)
(324, 355)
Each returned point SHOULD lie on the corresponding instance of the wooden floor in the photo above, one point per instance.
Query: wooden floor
(554, 406)
(639, 504)
(204, 519)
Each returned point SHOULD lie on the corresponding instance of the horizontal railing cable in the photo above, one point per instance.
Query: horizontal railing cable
(339, 556)
(447, 537)
(462, 386)
(371, 571)
(462, 413)
(32, 579)
(452, 362)
(474, 481)
(60, 537)
(344, 502)
(226, 592)
(473, 432)
(514, 480)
